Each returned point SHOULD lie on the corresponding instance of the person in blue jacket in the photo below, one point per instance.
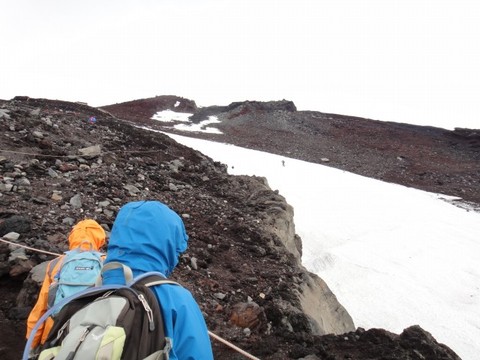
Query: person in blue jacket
(149, 236)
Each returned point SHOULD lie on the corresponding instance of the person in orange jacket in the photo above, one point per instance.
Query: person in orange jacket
(83, 234)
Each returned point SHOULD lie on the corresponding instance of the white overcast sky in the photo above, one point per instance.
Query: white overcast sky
(403, 61)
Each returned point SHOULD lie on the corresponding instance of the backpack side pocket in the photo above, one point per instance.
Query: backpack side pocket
(112, 343)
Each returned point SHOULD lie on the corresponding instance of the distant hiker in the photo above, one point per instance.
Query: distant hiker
(92, 120)
(283, 162)
(148, 236)
(85, 235)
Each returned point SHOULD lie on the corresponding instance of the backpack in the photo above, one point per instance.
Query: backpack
(78, 271)
(108, 322)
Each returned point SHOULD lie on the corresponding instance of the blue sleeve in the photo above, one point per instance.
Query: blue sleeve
(184, 324)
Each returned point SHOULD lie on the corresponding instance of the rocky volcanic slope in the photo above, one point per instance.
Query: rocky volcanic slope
(243, 262)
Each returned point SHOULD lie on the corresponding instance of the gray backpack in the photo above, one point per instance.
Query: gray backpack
(108, 322)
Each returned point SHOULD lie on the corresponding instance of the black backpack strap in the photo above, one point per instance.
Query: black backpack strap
(161, 349)
(158, 281)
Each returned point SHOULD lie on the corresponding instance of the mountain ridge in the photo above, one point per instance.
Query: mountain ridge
(423, 157)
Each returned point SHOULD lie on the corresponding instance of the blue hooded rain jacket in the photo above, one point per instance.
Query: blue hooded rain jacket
(149, 236)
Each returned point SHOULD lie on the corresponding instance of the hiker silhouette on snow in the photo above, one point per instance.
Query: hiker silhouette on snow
(86, 235)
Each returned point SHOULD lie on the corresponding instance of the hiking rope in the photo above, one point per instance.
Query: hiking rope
(214, 336)
(244, 353)
(68, 156)
(29, 248)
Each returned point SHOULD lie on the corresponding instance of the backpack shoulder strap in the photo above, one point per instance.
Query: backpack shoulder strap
(53, 263)
(153, 278)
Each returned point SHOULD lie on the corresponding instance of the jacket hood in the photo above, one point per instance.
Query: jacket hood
(87, 231)
(147, 236)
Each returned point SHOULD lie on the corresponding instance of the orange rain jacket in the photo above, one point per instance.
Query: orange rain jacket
(84, 232)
